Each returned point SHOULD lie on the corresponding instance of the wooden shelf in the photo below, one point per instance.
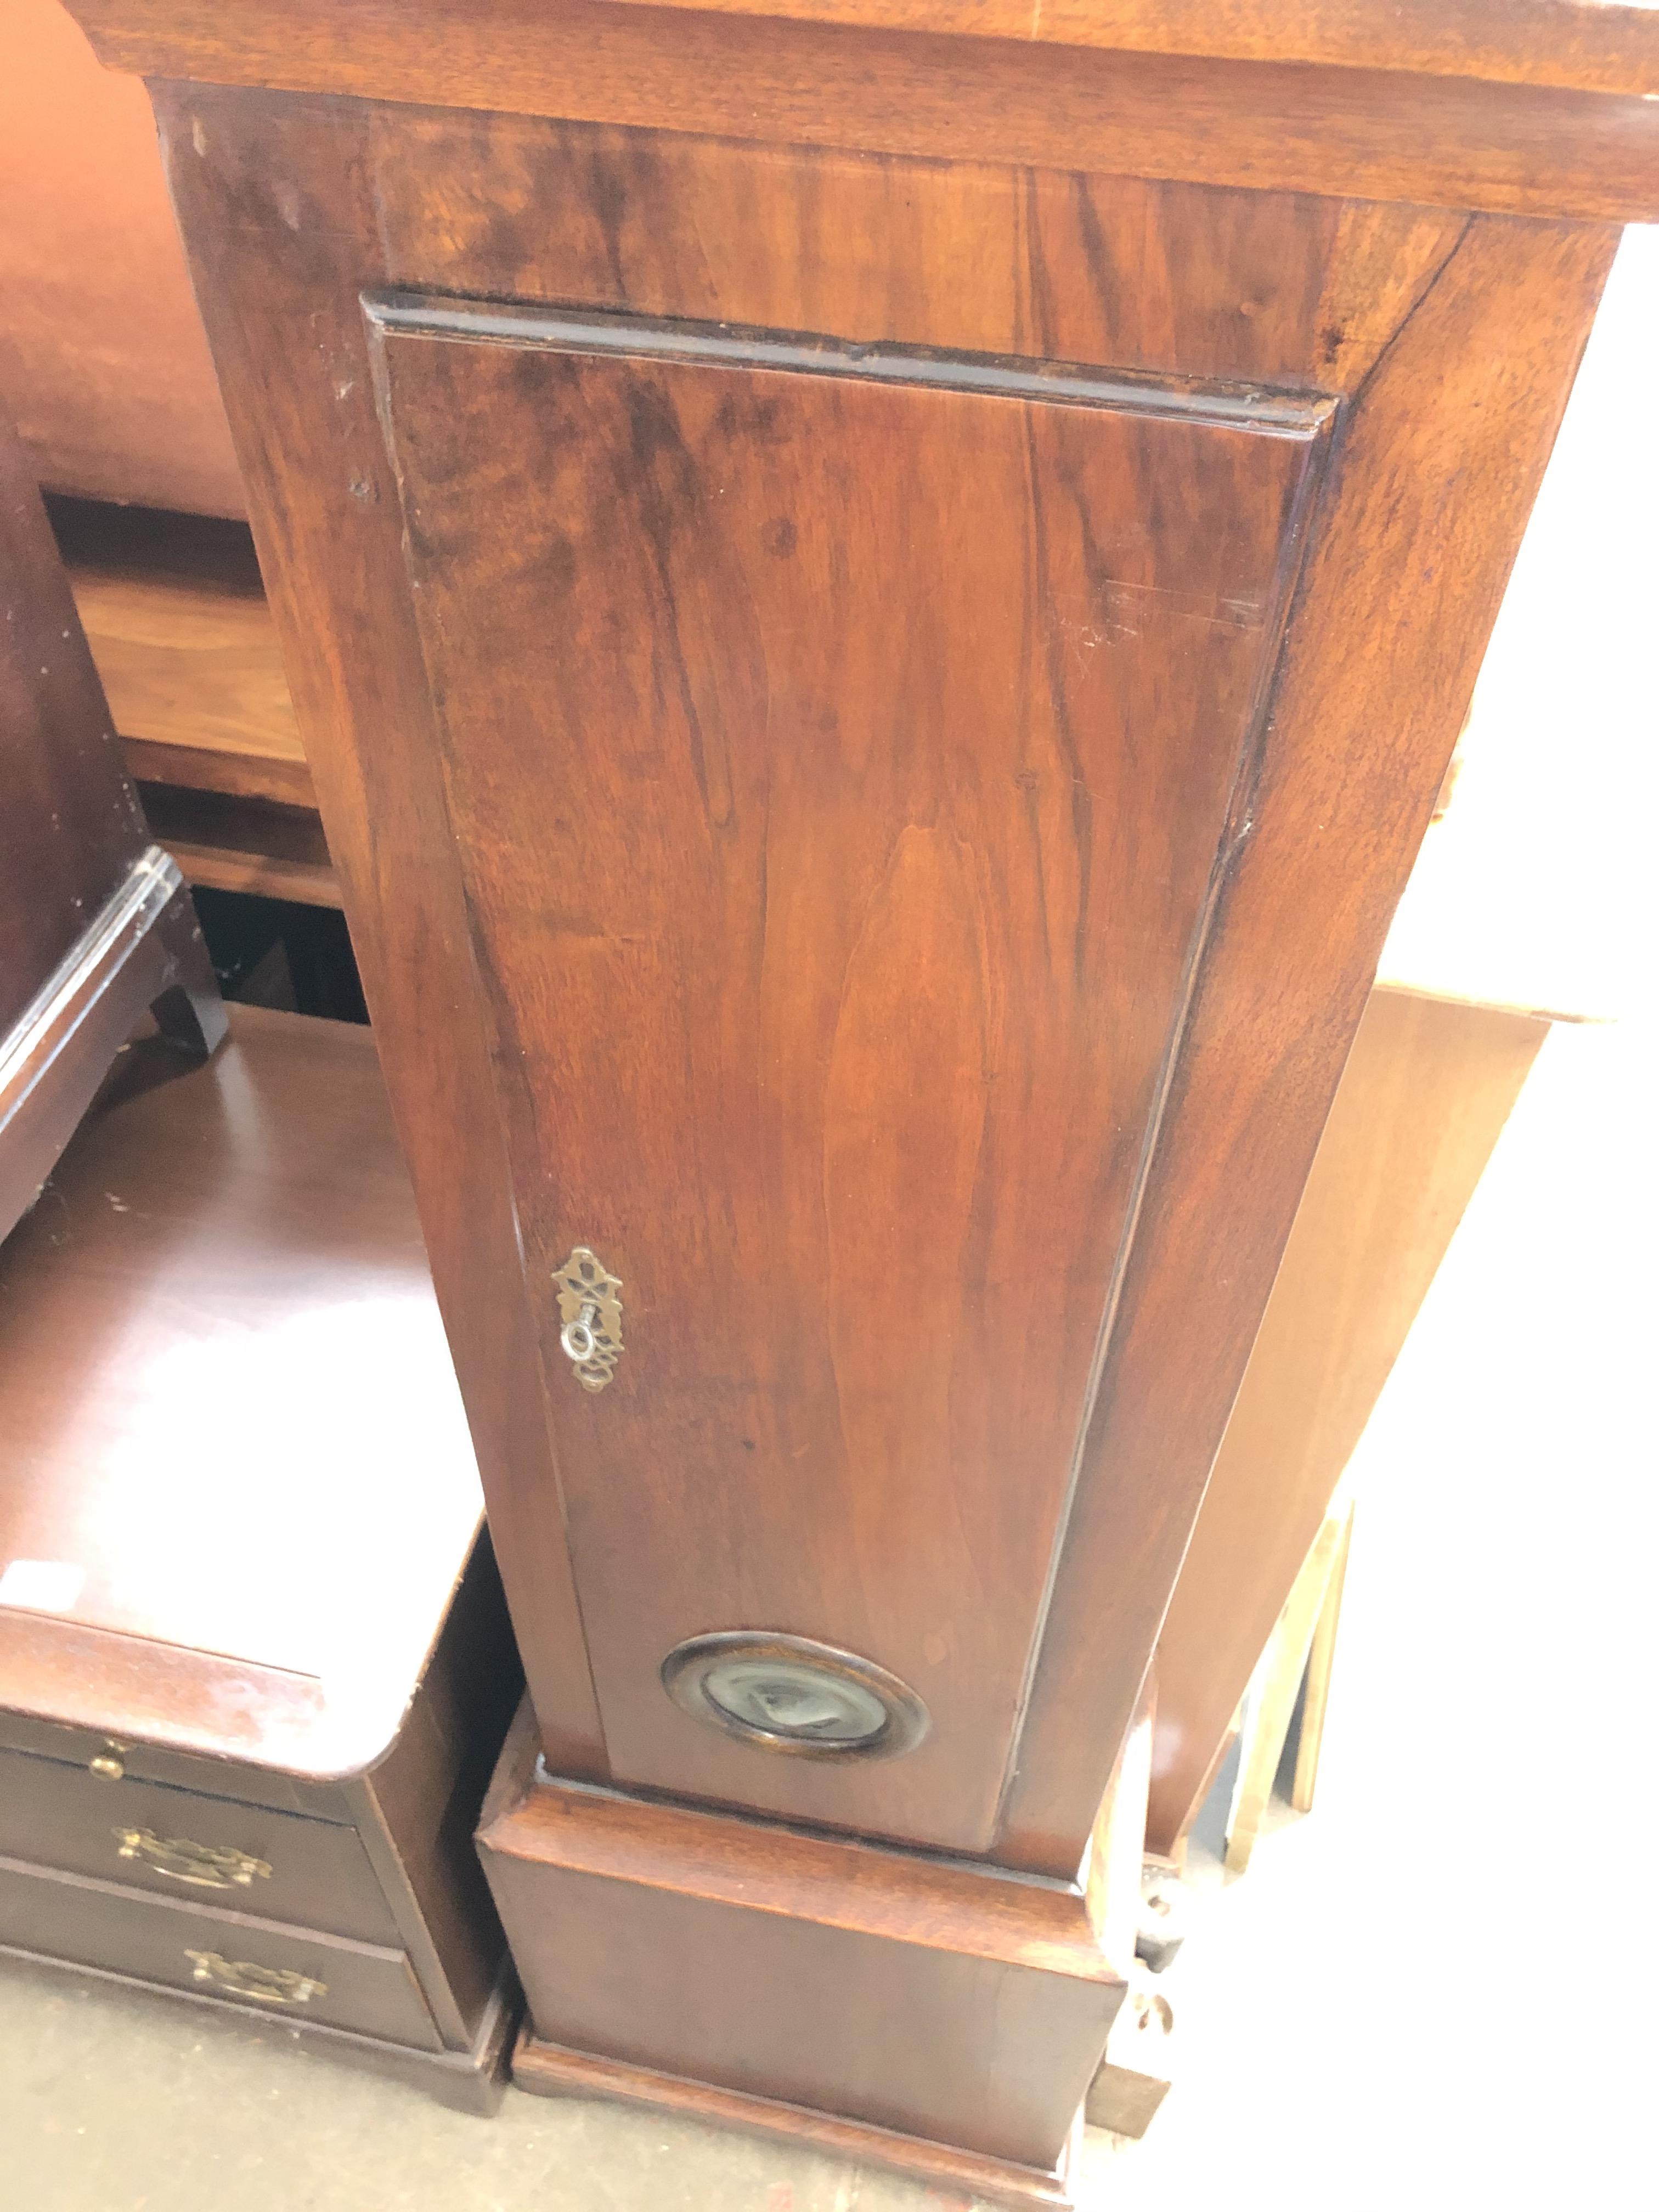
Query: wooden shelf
(176, 616)
(233, 844)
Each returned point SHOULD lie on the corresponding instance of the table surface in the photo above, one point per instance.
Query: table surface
(237, 1476)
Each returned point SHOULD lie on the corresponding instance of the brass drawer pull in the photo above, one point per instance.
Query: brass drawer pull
(590, 1307)
(276, 1985)
(203, 1866)
(110, 1763)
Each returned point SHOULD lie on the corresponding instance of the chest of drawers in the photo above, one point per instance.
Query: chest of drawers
(254, 1657)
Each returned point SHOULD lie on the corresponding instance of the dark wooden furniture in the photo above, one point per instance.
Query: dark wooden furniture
(249, 1695)
(176, 618)
(796, 1980)
(877, 598)
(96, 923)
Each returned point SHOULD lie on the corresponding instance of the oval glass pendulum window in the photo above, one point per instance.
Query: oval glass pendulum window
(788, 1694)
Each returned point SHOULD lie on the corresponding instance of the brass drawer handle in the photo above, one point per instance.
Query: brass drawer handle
(110, 1763)
(276, 1985)
(203, 1866)
(590, 1307)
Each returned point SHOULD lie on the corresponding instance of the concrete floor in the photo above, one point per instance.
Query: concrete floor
(113, 2102)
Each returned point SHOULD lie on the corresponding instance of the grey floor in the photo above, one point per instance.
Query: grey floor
(114, 2102)
(1434, 1992)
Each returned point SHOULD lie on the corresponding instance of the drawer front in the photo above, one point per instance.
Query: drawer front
(176, 1843)
(293, 1974)
(213, 1778)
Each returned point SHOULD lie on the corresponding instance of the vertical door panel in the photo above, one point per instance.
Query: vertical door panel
(840, 749)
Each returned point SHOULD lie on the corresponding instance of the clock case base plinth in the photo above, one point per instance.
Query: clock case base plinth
(548, 2070)
(938, 2017)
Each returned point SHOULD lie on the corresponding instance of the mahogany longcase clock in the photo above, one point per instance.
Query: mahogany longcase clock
(878, 604)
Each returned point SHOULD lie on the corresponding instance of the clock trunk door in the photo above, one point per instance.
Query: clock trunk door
(841, 748)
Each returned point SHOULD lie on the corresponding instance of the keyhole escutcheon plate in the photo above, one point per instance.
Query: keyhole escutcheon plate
(590, 1313)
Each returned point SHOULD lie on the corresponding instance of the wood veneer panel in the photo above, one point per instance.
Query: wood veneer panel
(1265, 125)
(1393, 611)
(1179, 280)
(175, 615)
(1587, 43)
(835, 870)
(297, 207)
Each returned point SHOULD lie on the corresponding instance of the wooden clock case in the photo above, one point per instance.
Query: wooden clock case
(878, 597)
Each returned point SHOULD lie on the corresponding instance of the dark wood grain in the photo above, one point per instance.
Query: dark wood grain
(420, 1804)
(175, 615)
(832, 953)
(1138, 274)
(58, 1814)
(237, 844)
(1394, 608)
(297, 208)
(1259, 125)
(940, 2001)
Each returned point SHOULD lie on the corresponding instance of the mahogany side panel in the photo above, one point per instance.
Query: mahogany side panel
(324, 509)
(1396, 600)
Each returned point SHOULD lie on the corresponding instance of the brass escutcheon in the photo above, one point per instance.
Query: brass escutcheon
(590, 1309)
